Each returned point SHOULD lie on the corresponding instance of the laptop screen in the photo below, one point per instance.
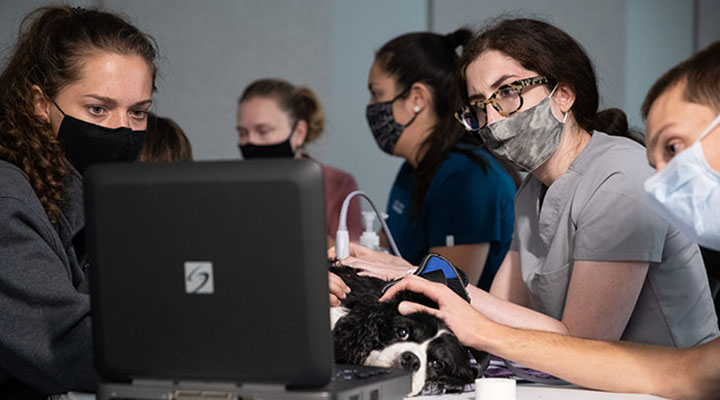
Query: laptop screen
(209, 271)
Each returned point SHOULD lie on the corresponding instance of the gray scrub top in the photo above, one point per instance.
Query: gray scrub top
(596, 211)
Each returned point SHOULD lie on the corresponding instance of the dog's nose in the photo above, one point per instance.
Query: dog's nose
(409, 361)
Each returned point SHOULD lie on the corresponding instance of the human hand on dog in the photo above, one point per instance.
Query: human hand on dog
(374, 263)
(338, 289)
(379, 269)
(466, 322)
(368, 254)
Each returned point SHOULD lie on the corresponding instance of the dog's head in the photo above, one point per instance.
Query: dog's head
(373, 333)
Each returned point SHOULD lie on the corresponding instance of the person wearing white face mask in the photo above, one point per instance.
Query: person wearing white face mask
(686, 190)
(683, 138)
(588, 257)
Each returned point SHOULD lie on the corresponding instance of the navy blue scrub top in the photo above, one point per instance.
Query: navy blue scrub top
(464, 204)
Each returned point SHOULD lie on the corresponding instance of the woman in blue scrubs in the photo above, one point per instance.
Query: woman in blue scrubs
(450, 196)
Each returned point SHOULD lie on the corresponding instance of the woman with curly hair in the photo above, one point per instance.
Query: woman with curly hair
(74, 92)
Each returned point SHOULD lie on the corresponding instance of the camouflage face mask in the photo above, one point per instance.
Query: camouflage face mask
(526, 139)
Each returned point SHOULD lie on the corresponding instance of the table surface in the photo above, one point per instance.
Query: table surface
(542, 392)
(524, 392)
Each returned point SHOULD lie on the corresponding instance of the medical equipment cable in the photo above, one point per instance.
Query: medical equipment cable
(342, 238)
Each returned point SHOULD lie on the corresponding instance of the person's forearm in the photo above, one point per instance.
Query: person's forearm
(468, 257)
(611, 366)
(510, 314)
(703, 373)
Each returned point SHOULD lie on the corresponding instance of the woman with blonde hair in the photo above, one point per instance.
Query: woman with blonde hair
(276, 119)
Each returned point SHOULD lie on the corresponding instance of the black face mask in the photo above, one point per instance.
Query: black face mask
(278, 150)
(87, 144)
(383, 126)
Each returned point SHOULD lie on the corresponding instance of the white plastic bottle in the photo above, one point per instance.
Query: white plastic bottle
(369, 237)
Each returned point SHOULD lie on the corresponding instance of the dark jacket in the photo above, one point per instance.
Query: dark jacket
(45, 335)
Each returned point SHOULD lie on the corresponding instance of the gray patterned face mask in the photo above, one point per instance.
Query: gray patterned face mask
(526, 139)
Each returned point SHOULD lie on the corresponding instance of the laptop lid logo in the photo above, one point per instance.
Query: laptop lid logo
(199, 277)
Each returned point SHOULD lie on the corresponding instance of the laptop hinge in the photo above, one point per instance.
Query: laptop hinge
(202, 395)
(262, 388)
(191, 390)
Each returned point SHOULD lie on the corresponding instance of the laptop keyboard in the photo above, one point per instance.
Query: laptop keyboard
(354, 372)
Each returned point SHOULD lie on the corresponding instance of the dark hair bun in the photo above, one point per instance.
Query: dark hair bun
(612, 121)
(459, 37)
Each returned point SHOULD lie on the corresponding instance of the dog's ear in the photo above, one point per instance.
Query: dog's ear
(357, 334)
(483, 360)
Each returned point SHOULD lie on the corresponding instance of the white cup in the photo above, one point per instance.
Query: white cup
(495, 389)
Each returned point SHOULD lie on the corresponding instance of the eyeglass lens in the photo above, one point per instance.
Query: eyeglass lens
(506, 101)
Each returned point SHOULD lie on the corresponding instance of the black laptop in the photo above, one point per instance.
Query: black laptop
(209, 281)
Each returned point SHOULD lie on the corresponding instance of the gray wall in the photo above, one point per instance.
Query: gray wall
(603, 35)
(12, 13)
(708, 24)
(212, 49)
(659, 35)
(359, 29)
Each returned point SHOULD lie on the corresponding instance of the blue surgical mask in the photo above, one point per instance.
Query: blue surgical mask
(687, 193)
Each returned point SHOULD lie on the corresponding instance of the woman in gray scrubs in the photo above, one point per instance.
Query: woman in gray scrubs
(682, 116)
(589, 258)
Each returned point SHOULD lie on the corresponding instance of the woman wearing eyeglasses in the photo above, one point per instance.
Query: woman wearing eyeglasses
(450, 196)
(588, 257)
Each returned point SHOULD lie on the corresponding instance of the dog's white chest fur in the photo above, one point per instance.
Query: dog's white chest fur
(335, 314)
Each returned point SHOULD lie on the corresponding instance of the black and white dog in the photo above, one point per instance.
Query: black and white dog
(367, 332)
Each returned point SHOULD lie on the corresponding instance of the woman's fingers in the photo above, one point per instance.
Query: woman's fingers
(365, 253)
(415, 284)
(338, 288)
(358, 263)
(334, 301)
(408, 307)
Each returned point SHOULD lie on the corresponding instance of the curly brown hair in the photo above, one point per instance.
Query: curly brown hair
(52, 44)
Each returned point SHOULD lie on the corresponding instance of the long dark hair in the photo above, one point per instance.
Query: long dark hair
(431, 58)
(53, 43)
(547, 50)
